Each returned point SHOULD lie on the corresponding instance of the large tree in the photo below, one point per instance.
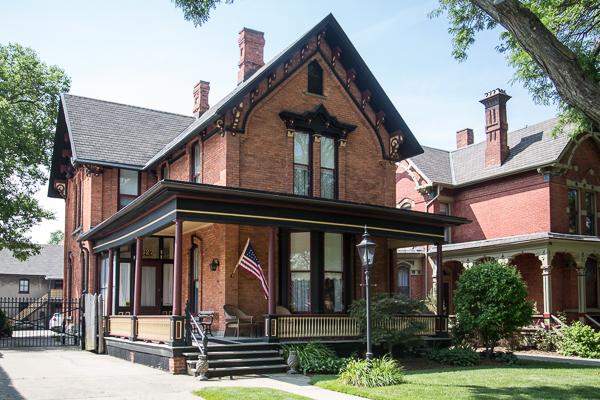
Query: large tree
(552, 44)
(198, 11)
(29, 96)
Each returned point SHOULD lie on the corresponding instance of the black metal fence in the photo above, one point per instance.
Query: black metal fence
(42, 322)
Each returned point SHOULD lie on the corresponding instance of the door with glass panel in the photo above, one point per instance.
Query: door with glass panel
(151, 288)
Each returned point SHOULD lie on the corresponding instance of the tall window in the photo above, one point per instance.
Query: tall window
(23, 285)
(300, 271)
(129, 186)
(334, 275)
(315, 78)
(124, 284)
(164, 171)
(404, 280)
(195, 284)
(591, 283)
(196, 164)
(328, 170)
(445, 210)
(104, 282)
(573, 211)
(590, 217)
(302, 164)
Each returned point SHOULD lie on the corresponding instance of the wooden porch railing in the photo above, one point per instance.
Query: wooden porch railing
(168, 329)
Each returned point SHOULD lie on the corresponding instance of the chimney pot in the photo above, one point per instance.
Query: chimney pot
(464, 138)
(252, 44)
(201, 98)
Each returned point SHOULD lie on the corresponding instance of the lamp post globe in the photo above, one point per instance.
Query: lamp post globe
(366, 251)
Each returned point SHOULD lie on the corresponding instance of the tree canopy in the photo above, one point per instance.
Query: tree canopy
(56, 237)
(198, 11)
(29, 97)
(553, 46)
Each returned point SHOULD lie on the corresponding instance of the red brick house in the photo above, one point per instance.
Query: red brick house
(298, 159)
(533, 200)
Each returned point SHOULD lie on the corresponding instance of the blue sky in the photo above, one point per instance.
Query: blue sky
(144, 53)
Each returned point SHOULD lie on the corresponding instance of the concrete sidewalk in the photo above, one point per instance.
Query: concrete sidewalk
(63, 373)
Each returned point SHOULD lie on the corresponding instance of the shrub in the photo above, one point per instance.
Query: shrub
(6, 328)
(383, 372)
(579, 340)
(508, 358)
(490, 304)
(315, 357)
(463, 356)
(383, 307)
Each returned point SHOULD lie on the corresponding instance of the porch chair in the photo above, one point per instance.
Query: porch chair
(281, 310)
(204, 319)
(236, 318)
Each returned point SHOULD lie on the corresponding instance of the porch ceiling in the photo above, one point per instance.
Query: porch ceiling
(153, 213)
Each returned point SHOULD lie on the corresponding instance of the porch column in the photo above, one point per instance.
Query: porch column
(440, 288)
(271, 271)
(581, 295)
(177, 267)
(137, 277)
(109, 291)
(95, 274)
(547, 285)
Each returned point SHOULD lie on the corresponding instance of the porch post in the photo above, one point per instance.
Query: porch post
(440, 286)
(137, 288)
(581, 295)
(109, 291)
(271, 271)
(95, 274)
(177, 267)
(547, 286)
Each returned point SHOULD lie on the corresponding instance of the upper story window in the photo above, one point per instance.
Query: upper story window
(445, 210)
(164, 171)
(328, 168)
(129, 186)
(573, 211)
(302, 175)
(23, 285)
(196, 163)
(590, 211)
(315, 78)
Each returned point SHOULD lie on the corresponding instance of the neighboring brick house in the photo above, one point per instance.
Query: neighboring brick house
(533, 200)
(298, 158)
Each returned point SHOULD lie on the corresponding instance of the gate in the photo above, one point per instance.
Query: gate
(47, 321)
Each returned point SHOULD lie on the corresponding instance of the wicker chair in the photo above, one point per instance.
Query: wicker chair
(236, 318)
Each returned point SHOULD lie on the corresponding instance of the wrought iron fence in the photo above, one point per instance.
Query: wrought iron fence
(46, 321)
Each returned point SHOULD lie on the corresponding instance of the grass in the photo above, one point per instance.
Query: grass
(252, 393)
(533, 380)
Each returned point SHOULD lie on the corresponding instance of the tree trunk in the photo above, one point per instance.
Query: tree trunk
(573, 85)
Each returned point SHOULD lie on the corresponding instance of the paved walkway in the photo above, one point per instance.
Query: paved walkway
(64, 373)
(559, 359)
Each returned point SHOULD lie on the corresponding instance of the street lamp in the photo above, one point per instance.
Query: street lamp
(366, 251)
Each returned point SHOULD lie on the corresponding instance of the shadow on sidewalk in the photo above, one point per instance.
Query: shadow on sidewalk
(7, 391)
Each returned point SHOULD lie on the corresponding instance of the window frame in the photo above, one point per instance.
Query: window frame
(196, 174)
(26, 287)
(404, 267)
(120, 195)
(574, 214)
(314, 81)
(309, 165)
(309, 271)
(335, 166)
(195, 276)
(590, 215)
(342, 272)
(448, 212)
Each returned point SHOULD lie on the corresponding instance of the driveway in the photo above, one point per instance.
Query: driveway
(69, 373)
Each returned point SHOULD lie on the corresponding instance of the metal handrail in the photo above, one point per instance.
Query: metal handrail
(204, 348)
(592, 320)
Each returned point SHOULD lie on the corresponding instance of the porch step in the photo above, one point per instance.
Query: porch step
(236, 358)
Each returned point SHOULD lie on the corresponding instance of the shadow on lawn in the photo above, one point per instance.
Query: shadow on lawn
(534, 392)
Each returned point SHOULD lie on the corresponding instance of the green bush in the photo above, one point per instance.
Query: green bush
(463, 356)
(315, 357)
(579, 340)
(490, 304)
(383, 372)
(508, 358)
(6, 328)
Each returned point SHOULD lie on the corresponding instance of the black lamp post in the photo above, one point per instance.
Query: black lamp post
(366, 251)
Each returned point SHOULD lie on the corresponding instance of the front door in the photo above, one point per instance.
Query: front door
(151, 287)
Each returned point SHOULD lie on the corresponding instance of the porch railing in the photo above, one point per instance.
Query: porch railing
(168, 329)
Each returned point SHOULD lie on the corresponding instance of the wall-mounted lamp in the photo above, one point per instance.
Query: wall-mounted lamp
(214, 264)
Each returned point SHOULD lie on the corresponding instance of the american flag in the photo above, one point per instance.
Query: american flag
(249, 262)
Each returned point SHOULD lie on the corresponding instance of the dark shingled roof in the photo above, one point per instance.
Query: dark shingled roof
(530, 147)
(108, 132)
(48, 263)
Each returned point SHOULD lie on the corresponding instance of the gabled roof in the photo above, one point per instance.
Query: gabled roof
(114, 133)
(48, 264)
(530, 147)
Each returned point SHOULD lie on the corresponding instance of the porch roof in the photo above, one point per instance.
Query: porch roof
(155, 210)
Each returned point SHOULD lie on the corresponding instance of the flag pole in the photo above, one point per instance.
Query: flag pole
(242, 255)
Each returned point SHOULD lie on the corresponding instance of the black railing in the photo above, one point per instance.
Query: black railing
(45, 321)
(192, 328)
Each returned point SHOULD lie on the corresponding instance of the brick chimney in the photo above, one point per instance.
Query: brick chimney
(464, 138)
(496, 127)
(201, 98)
(252, 44)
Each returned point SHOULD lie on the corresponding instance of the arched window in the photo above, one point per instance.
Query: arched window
(404, 280)
(315, 78)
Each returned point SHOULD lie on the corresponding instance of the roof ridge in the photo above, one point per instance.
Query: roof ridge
(128, 105)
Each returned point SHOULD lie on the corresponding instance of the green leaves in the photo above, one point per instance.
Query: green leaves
(384, 371)
(29, 97)
(198, 11)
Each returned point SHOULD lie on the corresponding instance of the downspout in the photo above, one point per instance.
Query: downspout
(85, 268)
(434, 199)
(200, 280)
(70, 284)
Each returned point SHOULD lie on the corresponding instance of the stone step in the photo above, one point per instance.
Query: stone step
(255, 369)
(244, 362)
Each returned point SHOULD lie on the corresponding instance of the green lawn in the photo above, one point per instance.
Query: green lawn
(533, 380)
(228, 393)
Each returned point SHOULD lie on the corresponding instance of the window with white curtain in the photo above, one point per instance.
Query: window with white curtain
(334, 276)
(300, 271)
(124, 284)
(167, 284)
(404, 281)
(104, 281)
(148, 287)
